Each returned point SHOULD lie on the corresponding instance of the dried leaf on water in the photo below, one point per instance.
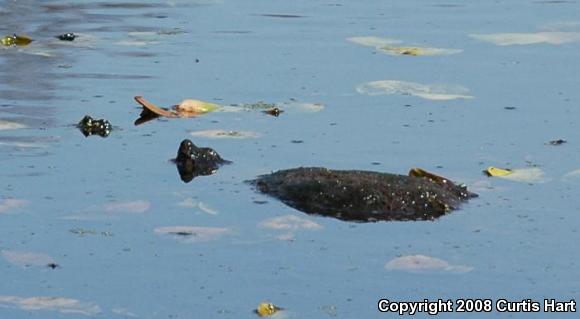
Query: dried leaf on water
(436, 92)
(424, 264)
(15, 40)
(267, 309)
(187, 108)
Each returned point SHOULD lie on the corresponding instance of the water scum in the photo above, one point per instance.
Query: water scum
(422, 264)
(504, 39)
(192, 234)
(26, 258)
(435, 92)
(390, 46)
(60, 304)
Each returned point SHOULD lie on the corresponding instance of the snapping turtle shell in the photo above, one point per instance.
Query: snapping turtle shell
(364, 196)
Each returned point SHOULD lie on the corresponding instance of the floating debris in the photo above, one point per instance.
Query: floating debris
(193, 233)
(260, 105)
(187, 108)
(193, 161)
(389, 46)
(273, 111)
(497, 172)
(26, 258)
(191, 203)
(15, 40)
(524, 175)
(8, 125)
(436, 92)
(135, 207)
(557, 142)
(89, 126)
(83, 232)
(504, 39)
(66, 37)
(267, 309)
(422, 263)
(364, 196)
(11, 204)
(225, 134)
(289, 222)
(60, 304)
(571, 176)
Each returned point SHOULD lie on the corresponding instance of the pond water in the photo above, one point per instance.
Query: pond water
(127, 238)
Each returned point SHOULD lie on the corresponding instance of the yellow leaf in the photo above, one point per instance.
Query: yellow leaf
(266, 309)
(497, 172)
(404, 50)
(19, 40)
(196, 106)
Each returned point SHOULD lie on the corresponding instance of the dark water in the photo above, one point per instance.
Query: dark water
(101, 209)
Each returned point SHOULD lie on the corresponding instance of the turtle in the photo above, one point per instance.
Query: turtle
(193, 161)
(90, 126)
(364, 196)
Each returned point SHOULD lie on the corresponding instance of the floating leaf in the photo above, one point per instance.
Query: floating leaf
(196, 106)
(225, 134)
(12, 40)
(497, 172)
(436, 92)
(387, 46)
(266, 309)
(422, 263)
(529, 38)
(525, 175)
